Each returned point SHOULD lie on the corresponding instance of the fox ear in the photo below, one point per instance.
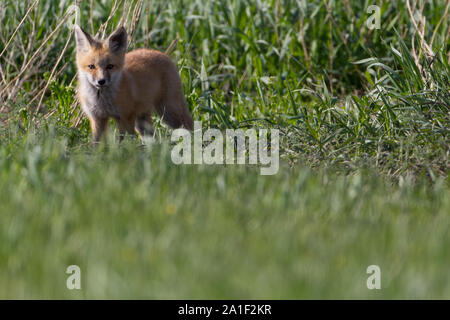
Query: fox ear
(117, 42)
(83, 39)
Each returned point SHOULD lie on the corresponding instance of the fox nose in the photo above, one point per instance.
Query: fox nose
(101, 82)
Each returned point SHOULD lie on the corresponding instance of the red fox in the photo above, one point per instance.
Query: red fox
(127, 86)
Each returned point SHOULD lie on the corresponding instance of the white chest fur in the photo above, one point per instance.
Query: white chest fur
(99, 103)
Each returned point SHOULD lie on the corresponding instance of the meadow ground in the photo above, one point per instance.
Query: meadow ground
(364, 143)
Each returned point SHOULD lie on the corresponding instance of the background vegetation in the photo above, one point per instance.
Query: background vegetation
(364, 125)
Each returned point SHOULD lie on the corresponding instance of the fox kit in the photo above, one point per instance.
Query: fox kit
(127, 86)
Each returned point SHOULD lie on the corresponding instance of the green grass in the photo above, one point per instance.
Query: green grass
(364, 145)
(140, 227)
(341, 94)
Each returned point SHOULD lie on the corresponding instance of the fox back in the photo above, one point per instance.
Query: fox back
(127, 86)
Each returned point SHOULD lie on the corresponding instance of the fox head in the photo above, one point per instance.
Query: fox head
(100, 62)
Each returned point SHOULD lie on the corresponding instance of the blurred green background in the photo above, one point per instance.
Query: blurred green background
(364, 144)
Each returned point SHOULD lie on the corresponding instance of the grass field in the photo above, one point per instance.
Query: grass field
(364, 126)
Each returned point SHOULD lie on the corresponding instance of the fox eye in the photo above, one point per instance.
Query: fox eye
(109, 66)
(91, 66)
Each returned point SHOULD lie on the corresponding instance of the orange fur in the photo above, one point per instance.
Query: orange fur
(127, 86)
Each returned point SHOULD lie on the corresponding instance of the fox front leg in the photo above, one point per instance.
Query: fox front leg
(125, 125)
(98, 126)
